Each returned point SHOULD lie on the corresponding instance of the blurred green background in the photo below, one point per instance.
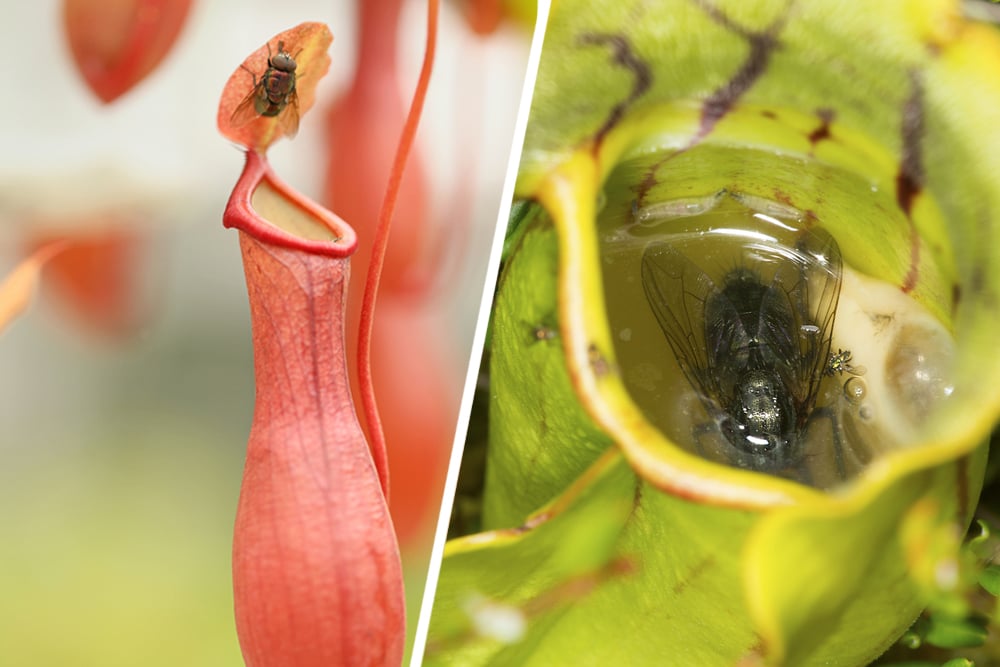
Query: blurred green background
(121, 465)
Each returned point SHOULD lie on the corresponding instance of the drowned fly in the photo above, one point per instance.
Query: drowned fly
(753, 343)
(273, 95)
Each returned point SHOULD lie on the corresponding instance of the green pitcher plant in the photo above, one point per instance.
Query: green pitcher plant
(724, 203)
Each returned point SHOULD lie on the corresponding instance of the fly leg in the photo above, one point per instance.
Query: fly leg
(701, 430)
(710, 436)
(252, 75)
(805, 476)
(712, 443)
(836, 440)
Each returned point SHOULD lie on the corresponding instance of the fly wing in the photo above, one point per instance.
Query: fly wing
(246, 110)
(821, 271)
(288, 119)
(677, 291)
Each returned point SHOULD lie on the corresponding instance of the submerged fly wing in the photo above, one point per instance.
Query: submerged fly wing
(677, 291)
(727, 334)
(822, 269)
(784, 300)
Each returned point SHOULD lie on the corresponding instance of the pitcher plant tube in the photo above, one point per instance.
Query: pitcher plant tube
(741, 338)
(362, 127)
(316, 569)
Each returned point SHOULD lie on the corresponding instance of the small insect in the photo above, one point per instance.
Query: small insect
(273, 95)
(754, 349)
(598, 362)
(840, 363)
(542, 332)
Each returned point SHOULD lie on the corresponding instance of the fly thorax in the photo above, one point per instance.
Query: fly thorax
(762, 409)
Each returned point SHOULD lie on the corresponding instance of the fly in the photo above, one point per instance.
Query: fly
(755, 349)
(273, 95)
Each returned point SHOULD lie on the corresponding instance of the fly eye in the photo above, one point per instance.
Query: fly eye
(284, 62)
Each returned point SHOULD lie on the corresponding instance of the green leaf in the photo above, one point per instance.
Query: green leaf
(522, 213)
(990, 579)
(531, 575)
(947, 632)
(959, 662)
(543, 440)
(619, 552)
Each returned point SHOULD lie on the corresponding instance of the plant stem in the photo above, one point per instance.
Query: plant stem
(379, 245)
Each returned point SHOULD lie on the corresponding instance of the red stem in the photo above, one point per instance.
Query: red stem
(379, 246)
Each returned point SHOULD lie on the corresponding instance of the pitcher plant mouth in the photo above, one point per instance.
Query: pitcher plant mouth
(268, 209)
(572, 195)
(911, 248)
